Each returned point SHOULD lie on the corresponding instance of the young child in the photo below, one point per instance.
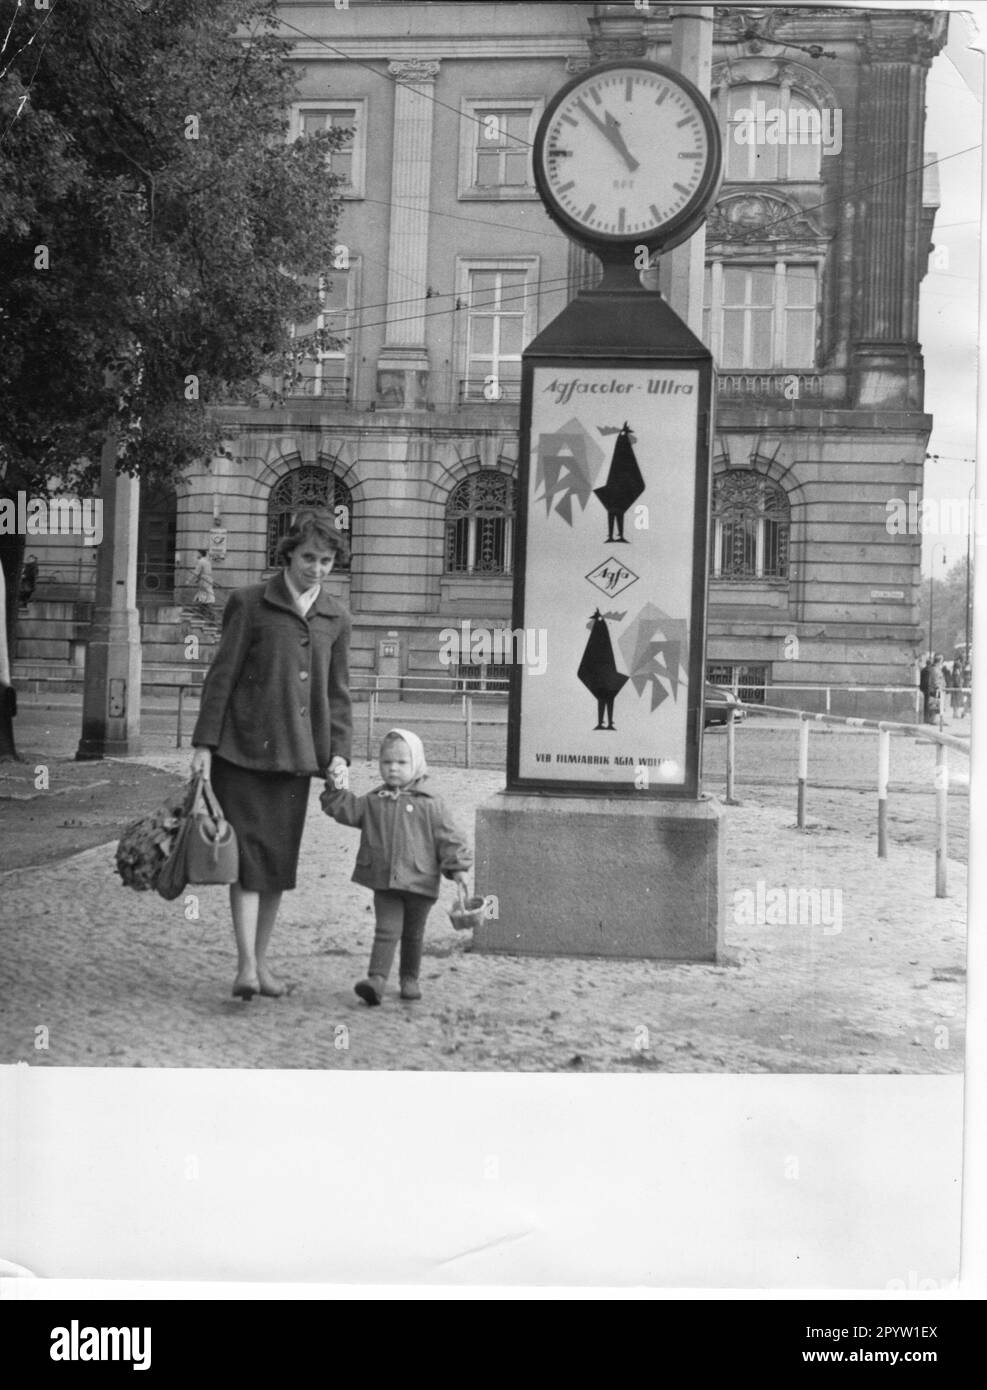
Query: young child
(407, 839)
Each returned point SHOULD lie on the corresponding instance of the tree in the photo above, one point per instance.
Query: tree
(949, 608)
(158, 232)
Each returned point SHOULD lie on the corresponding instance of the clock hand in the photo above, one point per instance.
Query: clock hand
(615, 136)
(593, 117)
(611, 130)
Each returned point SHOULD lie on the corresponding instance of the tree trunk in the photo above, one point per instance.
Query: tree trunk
(8, 696)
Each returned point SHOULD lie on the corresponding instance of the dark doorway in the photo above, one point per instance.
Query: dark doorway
(157, 533)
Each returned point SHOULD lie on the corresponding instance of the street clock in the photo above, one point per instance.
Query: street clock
(628, 154)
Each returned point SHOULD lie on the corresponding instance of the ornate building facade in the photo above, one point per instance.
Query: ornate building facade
(447, 266)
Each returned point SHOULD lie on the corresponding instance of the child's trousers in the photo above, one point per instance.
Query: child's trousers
(400, 917)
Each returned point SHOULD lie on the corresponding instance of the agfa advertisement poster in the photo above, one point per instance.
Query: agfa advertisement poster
(609, 574)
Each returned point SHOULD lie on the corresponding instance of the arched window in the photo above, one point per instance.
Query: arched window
(750, 528)
(480, 525)
(773, 132)
(302, 488)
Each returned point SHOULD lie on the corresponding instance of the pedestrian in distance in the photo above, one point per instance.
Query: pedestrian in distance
(29, 578)
(954, 683)
(966, 681)
(275, 712)
(407, 840)
(934, 695)
(205, 594)
(923, 686)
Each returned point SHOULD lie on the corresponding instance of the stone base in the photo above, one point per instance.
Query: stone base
(111, 697)
(601, 876)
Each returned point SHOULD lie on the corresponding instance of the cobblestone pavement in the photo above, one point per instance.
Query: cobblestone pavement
(97, 975)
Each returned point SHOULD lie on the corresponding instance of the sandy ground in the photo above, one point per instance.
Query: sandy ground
(97, 975)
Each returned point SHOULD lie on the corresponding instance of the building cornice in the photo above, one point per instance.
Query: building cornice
(389, 48)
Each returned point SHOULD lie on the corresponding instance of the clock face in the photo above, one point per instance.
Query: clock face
(628, 152)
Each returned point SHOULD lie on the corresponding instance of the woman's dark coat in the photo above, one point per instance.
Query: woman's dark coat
(276, 697)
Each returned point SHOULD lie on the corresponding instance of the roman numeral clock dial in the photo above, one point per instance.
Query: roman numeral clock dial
(628, 153)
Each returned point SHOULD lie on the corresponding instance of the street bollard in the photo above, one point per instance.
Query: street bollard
(883, 772)
(942, 822)
(371, 706)
(803, 769)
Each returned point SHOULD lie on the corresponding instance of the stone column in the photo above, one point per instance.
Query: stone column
(402, 369)
(887, 362)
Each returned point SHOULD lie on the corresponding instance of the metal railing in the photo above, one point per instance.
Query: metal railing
(470, 722)
(791, 386)
(484, 390)
(753, 692)
(884, 729)
(327, 388)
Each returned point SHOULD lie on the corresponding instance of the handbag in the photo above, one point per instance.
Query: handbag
(205, 849)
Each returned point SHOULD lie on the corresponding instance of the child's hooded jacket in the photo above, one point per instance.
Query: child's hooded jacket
(407, 837)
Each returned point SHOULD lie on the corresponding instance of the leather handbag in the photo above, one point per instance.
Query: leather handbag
(205, 849)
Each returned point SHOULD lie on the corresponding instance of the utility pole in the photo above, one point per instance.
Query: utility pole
(112, 687)
(682, 269)
(966, 610)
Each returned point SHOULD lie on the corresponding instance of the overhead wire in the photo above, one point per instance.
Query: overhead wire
(749, 235)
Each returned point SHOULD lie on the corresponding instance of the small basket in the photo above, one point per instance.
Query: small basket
(468, 913)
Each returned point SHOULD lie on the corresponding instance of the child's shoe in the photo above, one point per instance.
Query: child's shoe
(409, 987)
(371, 990)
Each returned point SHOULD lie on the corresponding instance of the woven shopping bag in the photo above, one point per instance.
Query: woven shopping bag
(146, 844)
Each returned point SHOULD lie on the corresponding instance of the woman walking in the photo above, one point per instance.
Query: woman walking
(276, 712)
(205, 594)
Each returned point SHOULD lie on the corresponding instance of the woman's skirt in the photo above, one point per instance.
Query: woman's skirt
(267, 811)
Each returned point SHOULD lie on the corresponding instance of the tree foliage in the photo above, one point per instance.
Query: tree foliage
(158, 235)
(154, 220)
(948, 591)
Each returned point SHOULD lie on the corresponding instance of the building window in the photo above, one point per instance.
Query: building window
(497, 300)
(772, 133)
(480, 525)
(495, 144)
(486, 679)
(761, 316)
(349, 162)
(302, 488)
(746, 681)
(327, 372)
(750, 528)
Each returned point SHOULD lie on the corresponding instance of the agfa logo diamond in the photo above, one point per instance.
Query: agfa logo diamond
(611, 577)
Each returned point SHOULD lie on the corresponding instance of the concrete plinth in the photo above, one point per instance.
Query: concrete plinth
(601, 876)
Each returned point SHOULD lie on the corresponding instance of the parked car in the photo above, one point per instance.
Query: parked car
(717, 701)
